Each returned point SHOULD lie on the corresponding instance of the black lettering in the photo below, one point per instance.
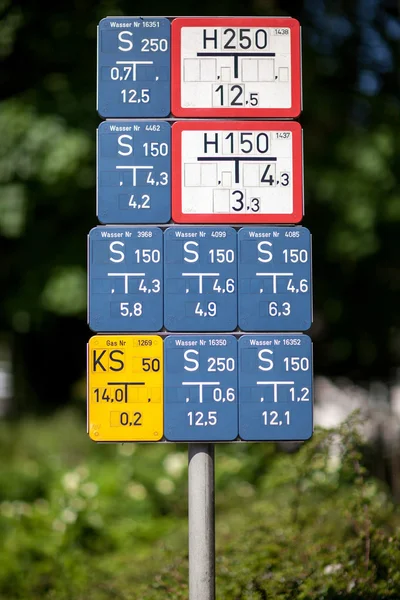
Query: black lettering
(209, 39)
(214, 143)
(138, 416)
(97, 361)
(227, 45)
(116, 360)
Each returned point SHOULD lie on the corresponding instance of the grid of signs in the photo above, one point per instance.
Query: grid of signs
(199, 274)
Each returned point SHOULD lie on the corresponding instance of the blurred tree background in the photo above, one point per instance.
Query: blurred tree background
(84, 521)
(47, 182)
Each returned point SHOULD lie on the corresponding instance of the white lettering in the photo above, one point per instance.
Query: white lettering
(107, 234)
(186, 234)
(122, 38)
(191, 360)
(117, 24)
(258, 234)
(120, 128)
(270, 363)
(260, 248)
(187, 249)
(119, 252)
(125, 144)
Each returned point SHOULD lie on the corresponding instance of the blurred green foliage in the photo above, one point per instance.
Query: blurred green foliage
(79, 520)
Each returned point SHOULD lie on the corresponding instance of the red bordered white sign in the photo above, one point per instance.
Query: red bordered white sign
(236, 67)
(237, 172)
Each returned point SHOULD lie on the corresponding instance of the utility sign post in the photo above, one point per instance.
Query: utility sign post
(199, 242)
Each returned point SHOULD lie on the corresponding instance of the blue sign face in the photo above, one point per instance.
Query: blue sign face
(200, 388)
(134, 172)
(274, 274)
(125, 279)
(275, 387)
(200, 279)
(134, 57)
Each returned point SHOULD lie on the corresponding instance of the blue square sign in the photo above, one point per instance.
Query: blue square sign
(200, 279)
(275, 387)
(125, 279)
(134, 70)
(274, 275)
(134, 172)
(200, 383)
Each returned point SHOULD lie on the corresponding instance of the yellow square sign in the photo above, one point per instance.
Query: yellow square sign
(125, 388)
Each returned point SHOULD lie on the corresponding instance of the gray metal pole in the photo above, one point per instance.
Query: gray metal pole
(201, 522)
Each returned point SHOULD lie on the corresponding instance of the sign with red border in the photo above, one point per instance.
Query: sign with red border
(237, 172)
(236, 67)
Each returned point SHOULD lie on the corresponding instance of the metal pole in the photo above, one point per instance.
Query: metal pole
(201, 522)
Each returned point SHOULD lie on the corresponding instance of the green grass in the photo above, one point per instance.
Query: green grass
(98, 522)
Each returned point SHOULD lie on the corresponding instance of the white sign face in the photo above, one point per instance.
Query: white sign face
(237, 172)
(236, 66)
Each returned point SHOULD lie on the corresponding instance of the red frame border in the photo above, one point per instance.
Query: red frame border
(297, 165)
(178, 111)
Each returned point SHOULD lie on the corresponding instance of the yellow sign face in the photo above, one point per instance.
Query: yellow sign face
(125, 388)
